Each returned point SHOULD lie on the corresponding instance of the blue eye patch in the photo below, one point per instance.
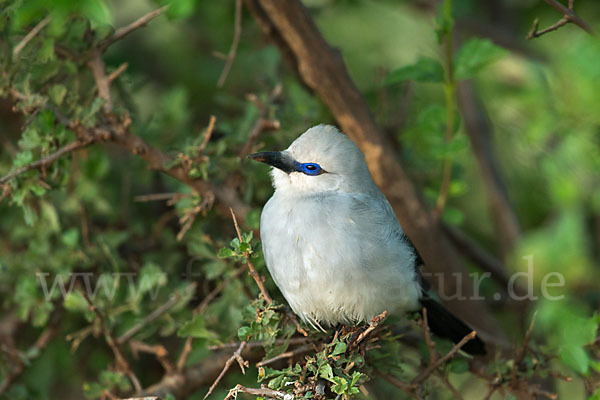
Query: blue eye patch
(309, 168)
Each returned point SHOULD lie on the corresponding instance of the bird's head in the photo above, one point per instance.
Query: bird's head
(321, 159)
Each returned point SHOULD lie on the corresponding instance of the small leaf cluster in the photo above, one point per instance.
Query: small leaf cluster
(237, 250)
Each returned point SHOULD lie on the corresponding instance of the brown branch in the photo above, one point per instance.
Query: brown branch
(431, 368)
(263, 123)
(36, 29)
(40, 344)
(373, 324)
(470, 249)
(149, 318)
(569, 16)
(44, 162)
(158, 350)
(98, 69)
(405, 387)
(250, 345)
(235, 357)
(523, 350)
(121, 362)
(126, 30)
(479, 131)
(321, 68)
(171, 197)
(237, 31)
(263, 392)
(288, 354)
(207, 134)
(257, 278)
(433, 356)
(113, 75)
(218, 289)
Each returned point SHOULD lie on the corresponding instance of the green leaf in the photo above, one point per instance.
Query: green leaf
(225, 252)
(23, 158)
(424, 70)
(576, 358)
(97, 12)
(46, 52)
(30, 139)
(181, 8)
(244, 333)
(74, 301)
(458, 365)
(25, 296)
(57, 93)
(340, 385)
(196, 328)
(29, 215)
(70, 237)
(474, 55)
(325, 372)
(247, 237)
(340, 348)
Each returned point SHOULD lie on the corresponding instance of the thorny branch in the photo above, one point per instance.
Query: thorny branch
(121, 362)
(264, 392)
(237, 31)
(257, 278)
(126, 30)
(40, 344)
(569, 16)
(235, 357)
(149, 318)
(36, 29)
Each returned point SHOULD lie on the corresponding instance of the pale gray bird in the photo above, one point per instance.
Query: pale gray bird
(332, 242)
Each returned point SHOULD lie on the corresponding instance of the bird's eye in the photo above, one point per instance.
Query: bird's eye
(310, 169)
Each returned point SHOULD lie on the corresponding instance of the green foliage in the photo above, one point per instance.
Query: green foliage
(476, 54)
(424, 70)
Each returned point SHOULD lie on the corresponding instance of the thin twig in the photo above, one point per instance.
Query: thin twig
(68, 148)
(569, 16)
(251, 269)
(98, 69)
(430, 343)
(158, 350)
(422, 376)
(113, 75)
(215, 292)
(121, 361)
(287, 354)
(523, 350)
(208, 134)
(40, 344)
(237, 357)
(250, 345)
(450, 100)
(373, 323)
(159, 196)
(237, 30)
(263, 392)
(36, 29)
(407, 388)
(126, 30)
(263, 123)
(149, 318)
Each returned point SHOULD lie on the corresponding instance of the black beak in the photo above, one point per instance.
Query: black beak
(276, 159)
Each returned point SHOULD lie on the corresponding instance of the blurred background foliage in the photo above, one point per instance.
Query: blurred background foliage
(85, 215)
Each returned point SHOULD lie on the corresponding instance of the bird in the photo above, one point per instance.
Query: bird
(333, 245)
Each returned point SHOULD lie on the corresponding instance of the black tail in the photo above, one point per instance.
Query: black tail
(445, 325)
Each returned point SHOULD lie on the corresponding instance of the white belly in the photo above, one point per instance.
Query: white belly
(337, 261)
